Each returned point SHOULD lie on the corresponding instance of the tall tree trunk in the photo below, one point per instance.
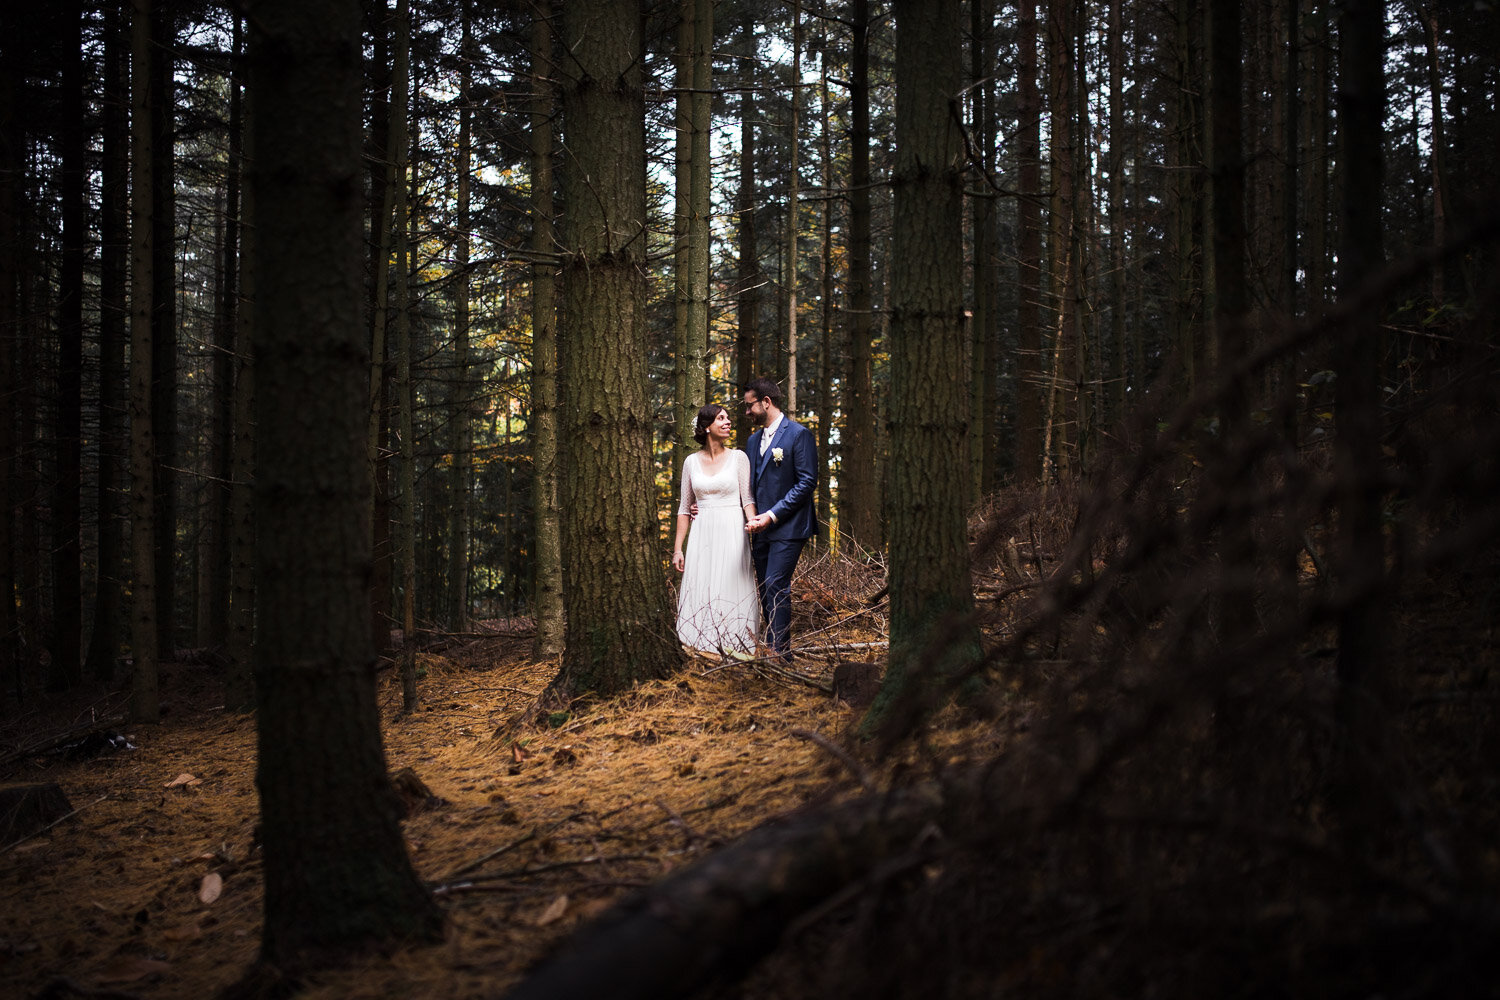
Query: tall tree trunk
(930, 587)
(145, 705)
(1028, 439)
(1185, 195)
(114, 277)
(321, 765)
(550, 622)
(1315, 86)
(747, 306)
(388, 134)
(1060, 427)
(985, 326)
(12, 82)
(1438, 143)
(1231, 300)
(463, 434)
(214, 626)
(619, 628)
(859, 487)
(1084, 237)
(1117, 227)
(794, 194)
(1361, 107)
(239, 686)
(401, 387)
(825, 324)
(164, 317)
(66, 668)
(694, 97)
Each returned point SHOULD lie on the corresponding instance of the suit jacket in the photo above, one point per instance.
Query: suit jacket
(786, 488)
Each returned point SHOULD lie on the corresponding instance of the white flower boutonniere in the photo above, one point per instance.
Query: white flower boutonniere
(776, 455)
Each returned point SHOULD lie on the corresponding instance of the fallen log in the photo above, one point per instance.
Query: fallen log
(717, 918)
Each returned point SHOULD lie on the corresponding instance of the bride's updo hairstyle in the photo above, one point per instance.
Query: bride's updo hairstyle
(706, 416)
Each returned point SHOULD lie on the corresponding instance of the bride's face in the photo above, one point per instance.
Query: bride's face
(722, 427)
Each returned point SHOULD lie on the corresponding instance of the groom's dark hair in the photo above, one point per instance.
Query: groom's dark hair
(764, 388)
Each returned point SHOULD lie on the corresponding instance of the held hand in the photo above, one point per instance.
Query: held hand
(758, 523)
(677, 561)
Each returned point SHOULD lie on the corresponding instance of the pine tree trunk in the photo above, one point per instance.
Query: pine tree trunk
(859, 488)
(114, 276)
(214, 625)
(550, 621)
(321, 766)
(931, 592)
(619, 625)
(12, 80)
(388, 131)
(694, 82)
(1439, 144)
(1315, 85)
(463, 434)
(1060, 425)
(1028, 439)
(401, 387)
(985, 356)
(789, 267)
(747, 306)
(164, 319)
(66, 666)
(1117, 144)
(239, 686)
(1361, 106)
(825, 324)
(145, 704)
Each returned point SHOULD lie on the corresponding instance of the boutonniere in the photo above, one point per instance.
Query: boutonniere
(776, 455)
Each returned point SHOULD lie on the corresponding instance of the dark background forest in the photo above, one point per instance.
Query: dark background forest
(327, 328)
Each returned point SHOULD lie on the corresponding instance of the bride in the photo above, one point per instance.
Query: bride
(717, 605)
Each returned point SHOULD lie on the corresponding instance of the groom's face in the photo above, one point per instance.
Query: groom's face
(756, 408)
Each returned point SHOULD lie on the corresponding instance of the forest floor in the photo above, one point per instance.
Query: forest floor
(1154, 856)
(153, 888)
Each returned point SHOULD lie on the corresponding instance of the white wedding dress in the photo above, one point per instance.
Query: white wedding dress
(717, 606)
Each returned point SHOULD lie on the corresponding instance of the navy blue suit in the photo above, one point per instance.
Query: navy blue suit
(783, 488)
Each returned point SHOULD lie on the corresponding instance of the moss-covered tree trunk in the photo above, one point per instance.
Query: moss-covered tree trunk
(619, 624)
(930, 588)
(337, 878)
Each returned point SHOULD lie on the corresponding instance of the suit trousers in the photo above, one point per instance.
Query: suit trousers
(775, 560)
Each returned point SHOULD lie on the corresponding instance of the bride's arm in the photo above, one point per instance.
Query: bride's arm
(746, 500)
(684, 516)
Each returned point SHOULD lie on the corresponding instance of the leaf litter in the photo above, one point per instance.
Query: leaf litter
(540, 828)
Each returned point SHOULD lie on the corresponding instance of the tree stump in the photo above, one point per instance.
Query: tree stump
(29, 809)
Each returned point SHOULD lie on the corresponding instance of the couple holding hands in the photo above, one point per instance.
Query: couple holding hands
(751, 512)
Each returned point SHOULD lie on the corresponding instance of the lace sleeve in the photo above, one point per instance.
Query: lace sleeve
(687, 498)
(743, 461)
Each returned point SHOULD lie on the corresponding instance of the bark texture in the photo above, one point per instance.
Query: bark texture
(544, 443)
(929, 579)
(336, 873)
(619, 626)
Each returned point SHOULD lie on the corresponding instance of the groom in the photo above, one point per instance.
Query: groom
(783, 477)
